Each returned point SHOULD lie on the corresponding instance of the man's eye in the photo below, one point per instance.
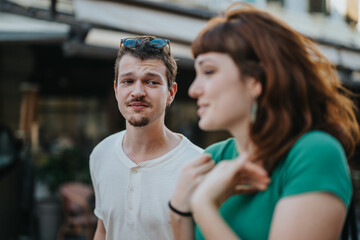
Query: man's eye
(127, 81)
(152, 82)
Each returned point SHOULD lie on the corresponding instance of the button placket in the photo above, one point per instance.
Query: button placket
(132, 194)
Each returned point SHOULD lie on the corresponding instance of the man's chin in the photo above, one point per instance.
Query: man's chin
(142, 122)
(138, 124)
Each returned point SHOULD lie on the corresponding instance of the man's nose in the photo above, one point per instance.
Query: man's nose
(139, 90)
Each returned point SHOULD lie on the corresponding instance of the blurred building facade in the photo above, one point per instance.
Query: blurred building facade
(64, 51)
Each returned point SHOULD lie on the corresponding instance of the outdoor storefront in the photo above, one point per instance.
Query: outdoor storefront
(56, 86)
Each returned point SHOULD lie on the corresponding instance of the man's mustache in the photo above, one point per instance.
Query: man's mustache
(138, 100)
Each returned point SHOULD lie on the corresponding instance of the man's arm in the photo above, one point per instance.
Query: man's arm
(190, 176)
(183, 227)
(100, 233)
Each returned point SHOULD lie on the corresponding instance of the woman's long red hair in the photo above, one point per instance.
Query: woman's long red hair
(301, 90)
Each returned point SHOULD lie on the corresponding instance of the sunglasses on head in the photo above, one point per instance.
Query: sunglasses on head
(132, 43)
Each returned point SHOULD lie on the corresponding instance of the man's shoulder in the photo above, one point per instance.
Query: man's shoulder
(107, 143)
(190, 146)
(183, 153)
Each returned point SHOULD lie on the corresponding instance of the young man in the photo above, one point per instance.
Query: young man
(134, 172)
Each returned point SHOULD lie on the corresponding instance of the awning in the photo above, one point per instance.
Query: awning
(337, 41)
(138, 19)
(15, 28)
(111, 39)
(110, 21)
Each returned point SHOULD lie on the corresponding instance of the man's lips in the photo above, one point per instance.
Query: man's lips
(138, 105)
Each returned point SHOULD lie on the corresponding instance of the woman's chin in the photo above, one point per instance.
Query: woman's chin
(206, 126)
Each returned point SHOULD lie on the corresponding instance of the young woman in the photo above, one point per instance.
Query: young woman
(284, 175)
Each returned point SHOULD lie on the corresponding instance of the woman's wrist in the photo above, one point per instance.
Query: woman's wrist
(201, 208)
(201, 201)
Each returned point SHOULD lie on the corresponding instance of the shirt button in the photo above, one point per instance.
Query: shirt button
(130, 208)
(135, 172)
(131, 190)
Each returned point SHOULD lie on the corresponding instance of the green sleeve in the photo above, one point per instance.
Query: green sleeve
(223, 150)
(317, 162)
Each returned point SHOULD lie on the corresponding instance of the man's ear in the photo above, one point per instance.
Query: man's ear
(172, 91)
(115, 89)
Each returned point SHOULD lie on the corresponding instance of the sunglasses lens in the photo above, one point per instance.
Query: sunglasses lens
(131, 42)
(158, 43)
(136, 42)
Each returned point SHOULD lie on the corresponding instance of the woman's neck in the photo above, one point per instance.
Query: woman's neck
(243, 141)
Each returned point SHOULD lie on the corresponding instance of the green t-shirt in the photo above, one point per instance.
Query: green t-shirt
(316, 162)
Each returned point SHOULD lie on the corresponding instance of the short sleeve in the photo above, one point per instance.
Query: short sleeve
(223, 150)
(317, 162)
(97, 211)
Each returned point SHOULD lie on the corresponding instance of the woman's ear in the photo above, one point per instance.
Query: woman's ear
(254, 87)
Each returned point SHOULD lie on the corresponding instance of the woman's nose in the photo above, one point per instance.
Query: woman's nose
(195, 89)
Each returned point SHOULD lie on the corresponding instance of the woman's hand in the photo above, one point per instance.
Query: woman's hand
(189, 179)
(229, 178)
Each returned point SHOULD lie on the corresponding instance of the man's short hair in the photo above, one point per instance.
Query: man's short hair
(145, 51)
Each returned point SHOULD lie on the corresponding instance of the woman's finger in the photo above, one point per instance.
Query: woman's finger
(201, 160)
(202, 166)
(254, 169)
(245, 190)
(205, 167)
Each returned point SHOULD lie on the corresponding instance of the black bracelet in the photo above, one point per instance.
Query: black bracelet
(184, 214)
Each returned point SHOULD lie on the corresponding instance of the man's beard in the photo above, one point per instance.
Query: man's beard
(138, 122)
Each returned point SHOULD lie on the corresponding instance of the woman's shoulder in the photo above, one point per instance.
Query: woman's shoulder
(223, 150)
(316, 162)
(318, 141)
(315, 151)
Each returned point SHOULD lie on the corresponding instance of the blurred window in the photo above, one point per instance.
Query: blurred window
(318, 6)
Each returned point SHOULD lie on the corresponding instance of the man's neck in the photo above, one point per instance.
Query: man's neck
(149, 142)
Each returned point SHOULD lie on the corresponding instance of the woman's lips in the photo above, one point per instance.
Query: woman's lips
(202, 109)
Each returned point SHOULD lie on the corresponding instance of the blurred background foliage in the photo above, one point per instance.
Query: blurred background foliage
(65, 165)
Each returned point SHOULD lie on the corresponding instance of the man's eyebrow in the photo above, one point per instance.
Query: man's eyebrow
(153, 74)
(126, 74)
(150, 74)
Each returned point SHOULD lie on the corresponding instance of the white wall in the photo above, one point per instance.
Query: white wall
(337, 10)
(296, 5)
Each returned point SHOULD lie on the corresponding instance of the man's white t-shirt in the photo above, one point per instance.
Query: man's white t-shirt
(131, 198)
